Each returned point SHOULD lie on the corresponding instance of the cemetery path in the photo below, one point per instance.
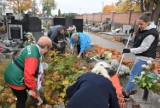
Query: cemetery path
(97, 40)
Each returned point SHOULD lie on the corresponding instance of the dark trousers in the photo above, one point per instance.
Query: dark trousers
(21, 97)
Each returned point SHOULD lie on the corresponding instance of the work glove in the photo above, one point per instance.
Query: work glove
(36, 95)
(126, 50)
(33, 93)
(58, 46)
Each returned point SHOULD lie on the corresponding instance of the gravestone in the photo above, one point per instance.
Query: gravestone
(126, 29)
(37, 35)
(1, 24)
(59, 21)
(25, 23)
(79, 24)
(15, 31)
(34, 24)
(9, 15)
(69, 22)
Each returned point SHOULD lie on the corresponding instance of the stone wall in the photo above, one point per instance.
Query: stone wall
(119, 18)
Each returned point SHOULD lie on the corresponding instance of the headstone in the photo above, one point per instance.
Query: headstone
(59, 21)
(34, 24)
(15, 32)
(25, 23)
(79, 24)
(1, 24)
(9, 15)
(68, 22)
(37, 35)
(126, 29)
(107, 20)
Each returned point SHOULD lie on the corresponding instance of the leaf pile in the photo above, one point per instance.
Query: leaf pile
(63, 71)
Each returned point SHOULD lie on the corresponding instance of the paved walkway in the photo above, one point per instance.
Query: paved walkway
(109, 44)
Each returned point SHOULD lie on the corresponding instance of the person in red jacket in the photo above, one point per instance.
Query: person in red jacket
(22, 70)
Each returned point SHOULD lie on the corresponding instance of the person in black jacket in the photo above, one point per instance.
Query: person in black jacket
(56, 34)
(144, 48)
(93, 90)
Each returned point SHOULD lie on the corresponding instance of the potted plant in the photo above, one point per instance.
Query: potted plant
(148, 80)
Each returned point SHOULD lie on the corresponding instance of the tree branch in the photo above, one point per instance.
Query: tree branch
(142, 6)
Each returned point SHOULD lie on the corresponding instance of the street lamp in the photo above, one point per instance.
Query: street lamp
(102, 5)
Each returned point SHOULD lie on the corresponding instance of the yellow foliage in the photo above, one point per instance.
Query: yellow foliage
(108, 8)
(136, 7)
(21, 5)
(126, 6)
(65, 82)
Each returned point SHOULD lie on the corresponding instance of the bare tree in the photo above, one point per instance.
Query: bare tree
(151, 6)
(157, 12)
(142, 7)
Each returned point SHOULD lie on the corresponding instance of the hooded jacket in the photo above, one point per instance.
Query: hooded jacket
(145, 43)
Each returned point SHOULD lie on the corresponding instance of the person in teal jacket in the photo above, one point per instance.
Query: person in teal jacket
(82, 41)
(21, 72)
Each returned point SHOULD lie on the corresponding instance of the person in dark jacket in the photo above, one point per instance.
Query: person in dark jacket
(56, 34)
(93, 90)
(144, 48)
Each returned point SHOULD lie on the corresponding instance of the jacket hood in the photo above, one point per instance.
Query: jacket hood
(151, 26)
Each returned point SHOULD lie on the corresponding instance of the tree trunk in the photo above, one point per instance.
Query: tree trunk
(142, 8)
(151, 5)
(146, 4)
(157, 13)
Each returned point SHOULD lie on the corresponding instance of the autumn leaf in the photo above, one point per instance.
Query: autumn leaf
(21, 5)
(65, 82)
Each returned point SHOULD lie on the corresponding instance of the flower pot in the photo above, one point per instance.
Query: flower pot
(145, 94)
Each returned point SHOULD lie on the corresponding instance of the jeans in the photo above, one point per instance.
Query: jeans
(135, 71)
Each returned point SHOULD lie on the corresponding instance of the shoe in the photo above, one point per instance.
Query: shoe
(133, 92)
(124, 95)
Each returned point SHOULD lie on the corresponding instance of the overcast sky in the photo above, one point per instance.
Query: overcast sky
(81, 6)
